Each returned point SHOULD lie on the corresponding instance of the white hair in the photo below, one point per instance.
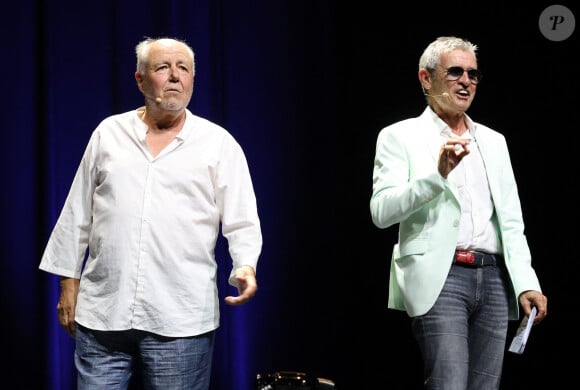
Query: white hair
(431, 57)
(142, 51)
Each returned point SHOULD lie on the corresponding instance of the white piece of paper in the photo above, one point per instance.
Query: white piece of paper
(519, 342)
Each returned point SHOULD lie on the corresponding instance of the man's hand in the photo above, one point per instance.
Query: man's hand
(67, 302)
(247, 286)
(534, 298)
(451, 153)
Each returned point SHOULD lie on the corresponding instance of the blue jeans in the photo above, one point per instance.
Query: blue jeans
(462, 338)
(106, 359)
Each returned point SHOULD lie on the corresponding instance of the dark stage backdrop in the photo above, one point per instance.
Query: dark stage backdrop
(305, 87)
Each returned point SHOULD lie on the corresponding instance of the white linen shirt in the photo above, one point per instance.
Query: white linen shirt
(151, 224)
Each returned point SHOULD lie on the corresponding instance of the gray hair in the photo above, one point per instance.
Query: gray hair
(431, 57)
(142, 52)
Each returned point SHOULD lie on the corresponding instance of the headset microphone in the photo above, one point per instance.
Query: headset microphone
(444, 94)
(157, 99)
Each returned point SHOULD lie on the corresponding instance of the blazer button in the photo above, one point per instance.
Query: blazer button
(456, 223)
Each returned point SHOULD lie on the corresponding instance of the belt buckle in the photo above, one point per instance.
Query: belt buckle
(466, 257)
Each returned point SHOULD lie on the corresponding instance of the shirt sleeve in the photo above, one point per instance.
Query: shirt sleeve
(65, 251)
(236, 201)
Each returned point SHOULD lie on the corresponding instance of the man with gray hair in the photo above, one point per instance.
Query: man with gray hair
(462, 266)
(153, 188)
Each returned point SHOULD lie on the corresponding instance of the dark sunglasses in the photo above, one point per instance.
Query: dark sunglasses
(456, 72)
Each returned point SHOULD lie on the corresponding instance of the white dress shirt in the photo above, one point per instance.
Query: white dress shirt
(476, 228)
(151, 224)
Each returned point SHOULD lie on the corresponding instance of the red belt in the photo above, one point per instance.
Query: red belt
(474, 258)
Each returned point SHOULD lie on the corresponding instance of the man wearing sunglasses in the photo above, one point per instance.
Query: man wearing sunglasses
(461, 268)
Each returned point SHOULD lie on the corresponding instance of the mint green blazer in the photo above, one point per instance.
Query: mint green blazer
(409, 191)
